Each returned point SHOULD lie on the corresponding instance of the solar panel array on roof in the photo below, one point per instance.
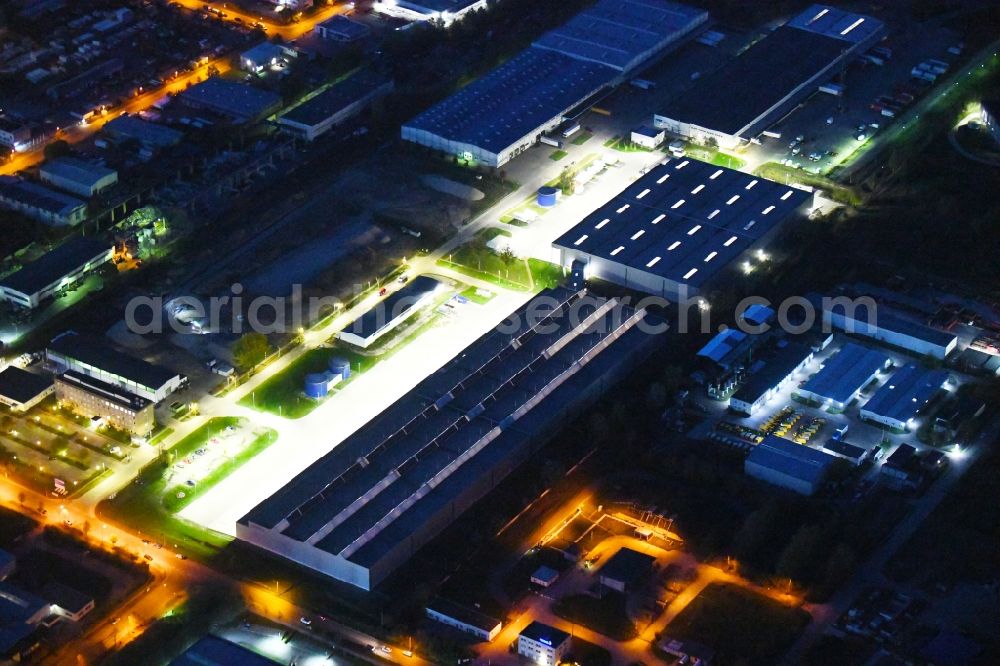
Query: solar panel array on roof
(684, 220)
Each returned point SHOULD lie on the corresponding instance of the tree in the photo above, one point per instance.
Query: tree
(798, 554)
(57, 148)
(250, 349)
(566, 183)
(507, 257)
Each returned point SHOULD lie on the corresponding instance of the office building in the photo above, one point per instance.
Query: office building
(116, 407)
(736, 102)
(543, 644)
(62, 267)
(679, 226)
(363, 509)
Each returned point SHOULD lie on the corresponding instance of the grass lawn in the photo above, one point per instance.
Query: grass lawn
(783, 174)
(625, 146)
(606, 615)
(741, 625)
(558, 155)
(583, 138)
(142, 504)
(173, 503)
(518, 275)
(283, 394)
(472, 294)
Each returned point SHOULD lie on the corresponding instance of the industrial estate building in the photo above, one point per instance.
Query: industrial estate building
(41, 203)
(73, 352)
(77, 177)
(788, 465)
(738, 101)
(93, 398)
(151, 135)
(626, 569)
(776, 374)
(264, 55)
(679, 226)
(445, 11)
(390, 313)
(464, 619)
(543, 644)
(903, 396)
(885, 325)
(342, 29)
(21, 390)
(505, 112)
(42, 278)
(367, 506)
(843, 376)
(237, 101)
(321, 112)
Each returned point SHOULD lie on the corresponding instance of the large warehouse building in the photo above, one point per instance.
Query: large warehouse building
(885, 325)
(789, 465)
(679, 226)
(736, 102)
(843, 376)
(903, 396)
(63, 267)
(505, 112)
(363, 509)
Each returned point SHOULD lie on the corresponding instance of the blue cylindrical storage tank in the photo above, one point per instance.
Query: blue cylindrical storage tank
(317, 385)
(547, 196)
(340, 366)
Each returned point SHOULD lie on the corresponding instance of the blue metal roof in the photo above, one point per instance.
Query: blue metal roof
(723, 343)
(846, 372)
(514, 99)
(837, 23)
(795, 460)
(906, 392)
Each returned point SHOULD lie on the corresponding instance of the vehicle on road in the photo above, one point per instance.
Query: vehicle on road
(306, 621)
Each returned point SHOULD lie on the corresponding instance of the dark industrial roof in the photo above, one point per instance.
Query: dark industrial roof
(776, 369)
(543, 633)
(38, 196)
(345, 27)
(735, 95)
(231, 98)
(99, 355)
(465, 615)
(79, 171)
(685, 220)
(563, 68)
(622, 33)
(22, 386)
(108, 392)
(514, 99)
(335, 99)
(855, 453)
(214, 651)
(837, 23)
(145, 132)
(846, 372)
(795, 460)
(906, 392)
(888, 320)
(68, 598)
(445, 434)
(627, 566)
(54, 265)
(396, 305)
